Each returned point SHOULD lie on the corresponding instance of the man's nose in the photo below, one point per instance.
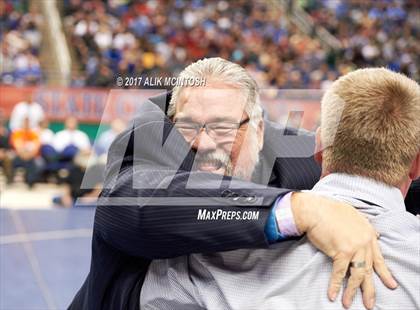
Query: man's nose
(203, 142)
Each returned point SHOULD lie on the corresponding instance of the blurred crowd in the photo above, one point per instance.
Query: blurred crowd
(21, 38)
(133, 38)
(373, 33)
(136, 38)
(27, 144)
(159, 38)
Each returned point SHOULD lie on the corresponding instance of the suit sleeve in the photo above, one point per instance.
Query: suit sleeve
(413, 198)
(151, 200)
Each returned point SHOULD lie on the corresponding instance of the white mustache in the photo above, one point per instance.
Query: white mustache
(217, 159)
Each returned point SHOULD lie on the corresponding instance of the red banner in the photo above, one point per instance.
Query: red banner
(89, 105)
(92, 105)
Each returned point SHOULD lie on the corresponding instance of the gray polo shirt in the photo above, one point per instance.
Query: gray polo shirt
(293, 274)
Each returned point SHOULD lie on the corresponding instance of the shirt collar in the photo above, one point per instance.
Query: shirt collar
(361, 191)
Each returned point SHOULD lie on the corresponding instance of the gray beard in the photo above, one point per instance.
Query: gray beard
(245, 173)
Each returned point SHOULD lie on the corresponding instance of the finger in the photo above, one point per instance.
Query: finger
(368, 288)
(340, 266)
(380, 268)
(357, 275)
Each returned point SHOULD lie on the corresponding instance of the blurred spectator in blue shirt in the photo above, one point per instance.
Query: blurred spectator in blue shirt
(104, 141)
(70, 141)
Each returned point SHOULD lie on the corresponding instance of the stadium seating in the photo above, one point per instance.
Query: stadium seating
(373, 33)
(162, 37)
(21, 42)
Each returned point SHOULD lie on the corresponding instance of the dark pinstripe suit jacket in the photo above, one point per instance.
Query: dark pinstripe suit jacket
(127, 235)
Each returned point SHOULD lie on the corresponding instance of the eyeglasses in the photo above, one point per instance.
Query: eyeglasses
(216, 130)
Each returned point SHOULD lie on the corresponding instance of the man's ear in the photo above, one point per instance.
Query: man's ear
(318, 146)
(414, 172)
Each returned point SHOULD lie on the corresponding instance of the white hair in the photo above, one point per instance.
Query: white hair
(225, 71)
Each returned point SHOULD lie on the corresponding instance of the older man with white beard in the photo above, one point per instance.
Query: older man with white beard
(228, 147)
(213, 150)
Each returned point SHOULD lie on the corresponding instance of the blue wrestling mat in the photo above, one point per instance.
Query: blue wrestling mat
(44, 256)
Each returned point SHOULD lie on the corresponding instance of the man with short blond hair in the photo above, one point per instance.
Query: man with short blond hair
(378, 133)
(369, 145)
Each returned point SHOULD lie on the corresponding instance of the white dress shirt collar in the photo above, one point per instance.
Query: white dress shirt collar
(362, 192)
